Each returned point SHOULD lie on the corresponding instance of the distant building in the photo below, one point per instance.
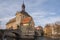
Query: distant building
(52, 30)
(39, 31)
(48, 30)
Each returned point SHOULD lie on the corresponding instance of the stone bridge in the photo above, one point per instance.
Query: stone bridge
(11, 35)
(14, 35)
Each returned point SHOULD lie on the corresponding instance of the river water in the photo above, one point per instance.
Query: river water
(41, 38)
(46, 38)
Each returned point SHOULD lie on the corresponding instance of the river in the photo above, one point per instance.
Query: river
(46, 38)
(41, 38)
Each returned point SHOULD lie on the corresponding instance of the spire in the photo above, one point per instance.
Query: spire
(23, 6)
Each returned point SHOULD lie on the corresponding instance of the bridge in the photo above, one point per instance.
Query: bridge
(15, 35)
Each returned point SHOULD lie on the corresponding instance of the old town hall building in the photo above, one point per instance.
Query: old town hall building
(23, 22)
(22, 19)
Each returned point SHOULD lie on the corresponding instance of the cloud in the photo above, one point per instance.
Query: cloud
(41, 14)
(7, 18)
(44, 21)
(43, 17)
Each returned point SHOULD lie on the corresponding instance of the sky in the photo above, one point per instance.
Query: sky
(42, 11)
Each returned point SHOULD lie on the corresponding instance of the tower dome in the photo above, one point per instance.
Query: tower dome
(23, 10)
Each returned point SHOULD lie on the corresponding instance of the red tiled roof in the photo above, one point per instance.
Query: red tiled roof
(26, 20)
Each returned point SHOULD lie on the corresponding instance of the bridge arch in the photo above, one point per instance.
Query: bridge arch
(9, 35)
(17, 35)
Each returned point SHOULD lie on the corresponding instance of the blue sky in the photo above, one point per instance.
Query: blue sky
(42, 11)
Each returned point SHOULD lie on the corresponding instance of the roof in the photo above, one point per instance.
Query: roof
(12, 20)
(23, 10)
(38, 28)
(25, 13)
(26, 20)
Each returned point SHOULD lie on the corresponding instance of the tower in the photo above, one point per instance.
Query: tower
(21, 15)
(23, 6)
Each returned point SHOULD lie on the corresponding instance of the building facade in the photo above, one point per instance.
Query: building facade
(48, 30)
(39, 31)
(24, 22)
(52, 30)
(22, 19)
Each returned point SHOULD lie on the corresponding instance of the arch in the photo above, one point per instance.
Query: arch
(17, 35)
(8, 36)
